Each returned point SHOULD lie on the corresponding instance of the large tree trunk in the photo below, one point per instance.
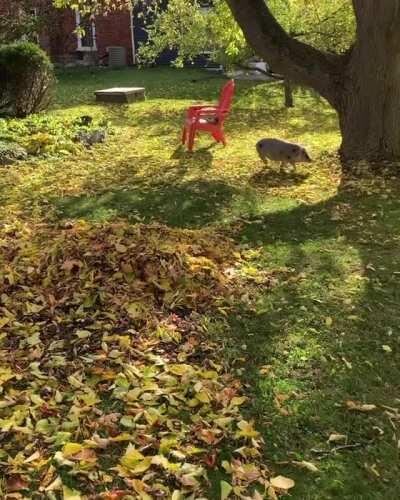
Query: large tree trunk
(369, 109)
(363, 85)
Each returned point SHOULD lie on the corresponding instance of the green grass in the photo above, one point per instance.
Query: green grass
(332, 243)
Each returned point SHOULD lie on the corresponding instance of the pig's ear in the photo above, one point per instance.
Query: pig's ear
(307, 155)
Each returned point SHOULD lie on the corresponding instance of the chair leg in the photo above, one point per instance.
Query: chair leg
(192, 135)
(223, 139)
(184, 135)
(216, 136)
(219, 136)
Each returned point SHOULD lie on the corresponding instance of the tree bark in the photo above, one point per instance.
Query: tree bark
(369, 110)
(363, 85)
(299, 62)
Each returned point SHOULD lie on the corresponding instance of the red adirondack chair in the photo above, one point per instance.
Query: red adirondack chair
(209, 118)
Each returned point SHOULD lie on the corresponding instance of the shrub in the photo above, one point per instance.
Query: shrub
(26, 79)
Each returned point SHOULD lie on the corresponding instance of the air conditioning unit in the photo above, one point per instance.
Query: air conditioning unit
(116, 56)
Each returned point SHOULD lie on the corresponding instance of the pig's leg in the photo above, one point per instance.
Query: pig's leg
(283, 166)
(264, 160)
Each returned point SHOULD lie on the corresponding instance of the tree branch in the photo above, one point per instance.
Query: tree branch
(268, 73)
(298, 61)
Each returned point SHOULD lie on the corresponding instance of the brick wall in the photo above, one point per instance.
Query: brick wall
(114, 29)
(60, 41)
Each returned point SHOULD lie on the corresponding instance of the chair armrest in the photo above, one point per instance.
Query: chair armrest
(195, 110)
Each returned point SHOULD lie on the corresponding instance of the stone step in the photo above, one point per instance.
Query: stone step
(121, 94)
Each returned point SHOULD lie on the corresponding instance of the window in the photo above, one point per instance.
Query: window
(86, 33)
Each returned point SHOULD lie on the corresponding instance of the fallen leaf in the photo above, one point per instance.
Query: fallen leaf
(226, 489)
(306, 465)
(16, 483)
(282, 483)
(364, 408)
(337, 438)
(71, 494)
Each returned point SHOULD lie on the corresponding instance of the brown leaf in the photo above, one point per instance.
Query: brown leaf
(16, 483)
(356, 406)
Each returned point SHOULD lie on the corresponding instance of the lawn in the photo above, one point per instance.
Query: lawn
(307, 328)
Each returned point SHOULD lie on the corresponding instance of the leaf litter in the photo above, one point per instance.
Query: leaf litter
(109, 382)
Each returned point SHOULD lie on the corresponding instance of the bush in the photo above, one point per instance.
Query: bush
(26, 79)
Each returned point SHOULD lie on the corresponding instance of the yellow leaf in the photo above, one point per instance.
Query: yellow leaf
(74, 382)
(210, 374)
(226, 489)
(203, 397)
(6, 374)
(70, 494)
(4, 321)
(135, 461)
(136, 310)
(223, 421)
(282, 483)
(140, 467)
(336, 438)
(328, 321)
(306, 465)
(131, 455)
(179, 369)
(71, 449)
(236, 401)
(246, 430)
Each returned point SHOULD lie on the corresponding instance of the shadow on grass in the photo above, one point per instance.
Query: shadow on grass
(277, 178)
(322, 331)
(193, 204)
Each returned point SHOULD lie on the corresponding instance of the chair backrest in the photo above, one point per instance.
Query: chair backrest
(226, 97)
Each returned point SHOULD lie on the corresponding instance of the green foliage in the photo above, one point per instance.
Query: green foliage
(26, 79)
(17, 21)
(324, 24)
(48, 135)
(190, 30)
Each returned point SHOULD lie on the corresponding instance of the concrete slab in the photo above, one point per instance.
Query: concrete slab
(121, 94)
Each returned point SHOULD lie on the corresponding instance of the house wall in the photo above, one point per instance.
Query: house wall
(114, 30)
(111, 30)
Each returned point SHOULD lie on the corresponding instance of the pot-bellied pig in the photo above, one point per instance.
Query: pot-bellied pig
(282, 151)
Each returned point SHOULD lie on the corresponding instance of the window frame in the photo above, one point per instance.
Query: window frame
(85, 48)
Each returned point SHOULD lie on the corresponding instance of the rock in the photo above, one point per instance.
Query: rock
(11, 152)
(90, 137)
